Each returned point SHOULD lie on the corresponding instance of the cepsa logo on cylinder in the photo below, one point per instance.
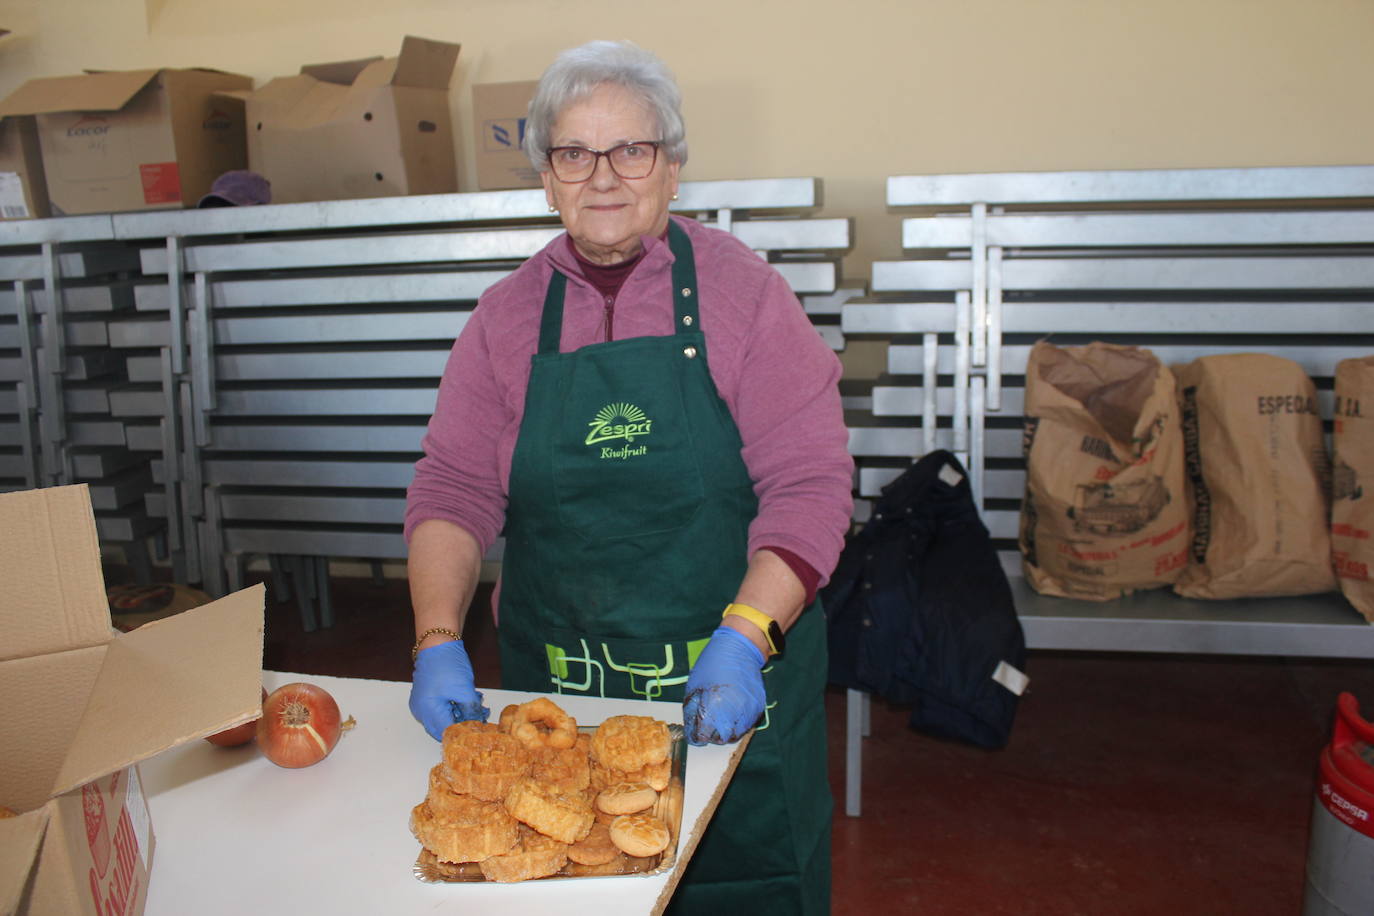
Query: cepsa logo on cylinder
(89, 125)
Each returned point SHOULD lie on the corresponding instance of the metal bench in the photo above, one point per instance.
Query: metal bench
(1184, 262)
(279, 363)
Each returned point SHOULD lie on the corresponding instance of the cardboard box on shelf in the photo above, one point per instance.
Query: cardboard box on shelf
(23, 189)
(83, 705)
(133, 139)
(498, 120)
(378, 127)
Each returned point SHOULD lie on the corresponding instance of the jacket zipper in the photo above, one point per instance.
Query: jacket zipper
(610, 317)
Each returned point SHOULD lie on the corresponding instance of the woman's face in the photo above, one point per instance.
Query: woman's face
(606, 214)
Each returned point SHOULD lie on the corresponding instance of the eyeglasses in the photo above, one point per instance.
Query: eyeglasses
(573, 164)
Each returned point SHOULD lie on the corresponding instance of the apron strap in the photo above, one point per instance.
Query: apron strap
(551, 322)
(684, 280)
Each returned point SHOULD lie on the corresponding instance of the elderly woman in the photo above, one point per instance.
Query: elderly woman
(645, 412)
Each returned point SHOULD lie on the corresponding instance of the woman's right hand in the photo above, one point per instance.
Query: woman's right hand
(442, 690)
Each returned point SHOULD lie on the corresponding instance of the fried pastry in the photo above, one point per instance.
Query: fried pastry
(639, 834)
(483, 763)
(564, 816)
(542, 723)
(631, 742)
(596, 848)
(655, 774)
(442, 799)
(470, 831)
(471, 725)
(530, 796)
(565, 769)
(626, 798)
(534, 856)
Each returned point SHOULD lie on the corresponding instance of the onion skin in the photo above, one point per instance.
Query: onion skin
(300, 725)
(239, 734)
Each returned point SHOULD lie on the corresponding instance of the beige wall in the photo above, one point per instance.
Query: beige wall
(847, 90)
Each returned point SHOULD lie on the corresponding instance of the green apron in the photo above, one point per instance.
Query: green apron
(626, 536)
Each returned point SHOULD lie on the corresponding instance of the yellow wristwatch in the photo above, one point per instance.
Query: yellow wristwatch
(758, 618)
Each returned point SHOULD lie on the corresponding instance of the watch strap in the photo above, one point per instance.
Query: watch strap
(771, 631)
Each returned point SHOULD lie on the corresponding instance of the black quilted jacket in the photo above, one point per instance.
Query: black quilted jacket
(920, 612)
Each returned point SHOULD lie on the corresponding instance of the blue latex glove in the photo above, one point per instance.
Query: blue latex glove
(725, 696)
(442, 690)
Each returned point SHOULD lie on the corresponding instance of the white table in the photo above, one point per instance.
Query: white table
(237, 834)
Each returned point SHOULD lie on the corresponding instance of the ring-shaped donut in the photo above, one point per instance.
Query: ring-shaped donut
(542, 723)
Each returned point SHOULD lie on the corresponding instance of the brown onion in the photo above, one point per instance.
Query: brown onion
(239, 734)
(300, 725)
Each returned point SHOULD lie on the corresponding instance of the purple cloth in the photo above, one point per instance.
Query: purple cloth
(775, 373)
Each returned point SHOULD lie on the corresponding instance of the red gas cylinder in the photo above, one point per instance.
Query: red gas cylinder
(1340, 851)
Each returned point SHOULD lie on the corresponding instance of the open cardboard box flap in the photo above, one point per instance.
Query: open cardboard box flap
(109, 90)
(53, 591)
(425, 64)
(339, 72)
(169, 682)
(94, 90)
(422, 64)
(83, 702)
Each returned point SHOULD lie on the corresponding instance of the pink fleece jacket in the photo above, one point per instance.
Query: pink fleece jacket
(776, 374)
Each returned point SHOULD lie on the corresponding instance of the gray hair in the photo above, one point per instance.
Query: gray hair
(577, 72)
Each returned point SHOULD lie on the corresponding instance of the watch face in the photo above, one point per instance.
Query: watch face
(767, 624)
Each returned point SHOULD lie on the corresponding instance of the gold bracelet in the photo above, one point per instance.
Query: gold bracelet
(432, 631)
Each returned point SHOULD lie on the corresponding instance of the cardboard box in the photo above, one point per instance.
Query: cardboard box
(133, 139)
(82, 705)
(378, 127)
(498, 119)
(23, 189)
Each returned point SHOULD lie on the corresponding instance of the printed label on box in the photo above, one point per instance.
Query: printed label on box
(161, 182)
(97, 829)
(116, 851)
(12, 205)
(503, 134)
(88, 148)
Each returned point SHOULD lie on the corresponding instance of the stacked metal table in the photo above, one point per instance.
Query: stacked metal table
(255, 382)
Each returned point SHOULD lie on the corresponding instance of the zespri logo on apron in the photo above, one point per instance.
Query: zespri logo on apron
(619, 423)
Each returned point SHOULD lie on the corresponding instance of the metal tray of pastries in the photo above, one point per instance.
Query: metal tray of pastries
(501, 810)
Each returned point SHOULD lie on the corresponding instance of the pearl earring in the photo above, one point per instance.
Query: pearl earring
(674, 196)
(552, 208)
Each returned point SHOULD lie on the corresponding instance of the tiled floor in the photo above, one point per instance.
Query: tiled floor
(1132, 784)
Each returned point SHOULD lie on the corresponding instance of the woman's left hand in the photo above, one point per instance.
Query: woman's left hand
(725, 696)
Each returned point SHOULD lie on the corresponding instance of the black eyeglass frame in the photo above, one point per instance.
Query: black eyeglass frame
(598, 154)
